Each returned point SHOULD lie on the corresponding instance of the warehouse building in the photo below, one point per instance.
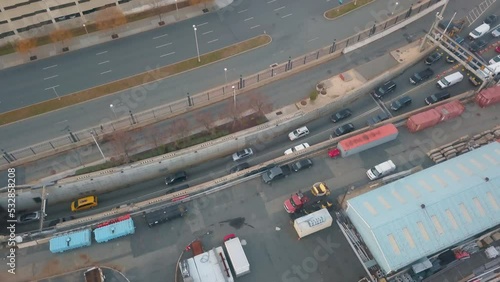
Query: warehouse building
(420, 215)
(19, 16)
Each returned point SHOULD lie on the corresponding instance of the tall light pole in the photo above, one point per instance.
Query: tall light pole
(225, 74)
(196, 39)
(234, 96)
(395, 8)
(176, 9)
(113, 110)
(86, 31)
(98, 147)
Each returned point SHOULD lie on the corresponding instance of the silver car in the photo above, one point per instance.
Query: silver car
(245, 153)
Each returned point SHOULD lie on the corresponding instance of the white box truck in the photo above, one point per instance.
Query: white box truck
(237, 257)
(312, 223)
(381, 170)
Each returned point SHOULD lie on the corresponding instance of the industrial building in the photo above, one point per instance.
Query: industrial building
(422, 214)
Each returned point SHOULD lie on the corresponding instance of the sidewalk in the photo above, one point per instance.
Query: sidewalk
(103, 36)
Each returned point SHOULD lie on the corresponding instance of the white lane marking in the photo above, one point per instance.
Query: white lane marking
(168, 54)
(49, 67)
(63, 121)
(159, 46)
(255, 26)
(207, 32)
(286, 16)
(212, 41)
(202, 24)
(277, 9)
(242, 11)
(160, 36)
(51, 77)
(104, 72)
(49, 88)
(251, 18)
(100, 53)
(311, 40)
(103, 62)
(269, 2)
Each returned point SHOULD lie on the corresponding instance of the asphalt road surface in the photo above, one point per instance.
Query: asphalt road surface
(253, 210)
(321, 129)
(97, 111)
(296, 28)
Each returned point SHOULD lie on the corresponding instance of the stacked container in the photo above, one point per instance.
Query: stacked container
(488, 97)
(423, 120)
(450, 110)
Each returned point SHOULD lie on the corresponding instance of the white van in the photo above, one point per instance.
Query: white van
(491, 70)
(381, 170)
(479, 31)
(450, 80)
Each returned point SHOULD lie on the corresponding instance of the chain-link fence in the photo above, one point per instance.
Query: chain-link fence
(171, 109)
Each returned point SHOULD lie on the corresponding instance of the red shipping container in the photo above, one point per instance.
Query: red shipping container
(450, 110)
(488, 96)
(423, 120)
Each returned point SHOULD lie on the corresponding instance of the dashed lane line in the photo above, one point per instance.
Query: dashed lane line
(163, 45)
(100, 53)
(54, 76)
(160, 36)
(212, 41)
(49, 67)
(168, 54)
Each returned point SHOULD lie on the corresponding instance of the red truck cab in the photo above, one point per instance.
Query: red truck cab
(297, 200)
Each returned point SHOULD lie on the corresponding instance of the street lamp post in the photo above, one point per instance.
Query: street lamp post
(234, 96)
(225, 74)
(98, 147)
(395, 8)
(176, 9)
(85, 27)
(113, 110)
(196, 40)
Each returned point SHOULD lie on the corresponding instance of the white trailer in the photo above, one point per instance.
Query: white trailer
(210, 266)
(237, 257)
(313, 222)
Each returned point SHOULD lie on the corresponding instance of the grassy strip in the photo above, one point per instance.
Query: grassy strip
(92, 27)
(345, 8)
(202, 137)
(126, 83)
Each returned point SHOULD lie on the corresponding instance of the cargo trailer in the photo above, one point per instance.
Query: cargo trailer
(368, 140)
(237, 256)
(312, 223)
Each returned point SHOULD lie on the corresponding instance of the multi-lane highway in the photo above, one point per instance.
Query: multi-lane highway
(294, 26)
(320, 129)
(95, 112)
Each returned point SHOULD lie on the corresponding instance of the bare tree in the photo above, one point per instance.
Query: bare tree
(180, 129)
(110, 18)
(156, 138)
(259, 103)
(122, 142)
(60, 35)
(159, 10)
(26, 45)
(206, 118)
(234, 113)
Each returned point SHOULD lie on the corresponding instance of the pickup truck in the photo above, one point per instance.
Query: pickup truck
(309, 201)
(276, 172)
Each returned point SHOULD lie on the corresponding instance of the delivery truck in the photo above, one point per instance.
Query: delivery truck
(312, 223)
(94, 274)
(237, 257)
(367, 140)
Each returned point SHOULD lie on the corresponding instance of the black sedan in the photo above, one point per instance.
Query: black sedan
(302, 164)
(400, 103)
(340, 115)
(478, 45)
(434, 57)
(239, 167)
(344, 129)
(421, 76)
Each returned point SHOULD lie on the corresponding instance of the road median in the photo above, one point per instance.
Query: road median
(134, 81)
(346, 8)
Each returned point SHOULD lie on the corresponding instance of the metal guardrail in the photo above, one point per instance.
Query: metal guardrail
(166, 111)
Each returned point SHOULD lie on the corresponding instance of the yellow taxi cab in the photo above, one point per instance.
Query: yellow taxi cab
(84, 203)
